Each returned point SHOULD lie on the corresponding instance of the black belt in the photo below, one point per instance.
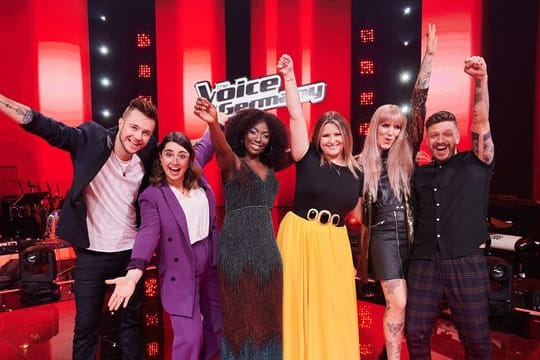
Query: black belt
(388, 208)
(323, 217)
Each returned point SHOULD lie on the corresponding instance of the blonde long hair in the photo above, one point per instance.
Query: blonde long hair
(400, 163)
(333, 117)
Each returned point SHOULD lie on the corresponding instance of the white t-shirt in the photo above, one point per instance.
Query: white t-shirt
(110, 204)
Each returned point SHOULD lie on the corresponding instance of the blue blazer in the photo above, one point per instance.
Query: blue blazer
(89, 145)
(164, 229)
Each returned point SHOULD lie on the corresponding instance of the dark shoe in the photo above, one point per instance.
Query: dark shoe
(382, 355)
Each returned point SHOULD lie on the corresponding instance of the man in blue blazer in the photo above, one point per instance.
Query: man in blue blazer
(99, 217)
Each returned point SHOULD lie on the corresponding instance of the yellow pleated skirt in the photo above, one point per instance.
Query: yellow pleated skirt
(320, 316)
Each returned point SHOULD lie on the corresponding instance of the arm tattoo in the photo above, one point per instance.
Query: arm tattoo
(475, 142)
(424, 74)
(423, 81)
(25, 115)
(488, 148)
(485, 149)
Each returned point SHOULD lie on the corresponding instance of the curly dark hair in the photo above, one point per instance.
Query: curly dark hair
(192, 173)
(275, 154)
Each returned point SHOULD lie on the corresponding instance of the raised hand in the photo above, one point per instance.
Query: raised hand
(205, 110)
(285, 67)
(476, 67)
(123, 290)
(431, 44)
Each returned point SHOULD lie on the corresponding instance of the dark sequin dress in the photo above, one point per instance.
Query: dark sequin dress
(250, 269)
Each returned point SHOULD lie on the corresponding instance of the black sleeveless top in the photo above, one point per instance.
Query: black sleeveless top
(328, 187)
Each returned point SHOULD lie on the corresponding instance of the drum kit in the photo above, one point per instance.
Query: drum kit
(27, 219)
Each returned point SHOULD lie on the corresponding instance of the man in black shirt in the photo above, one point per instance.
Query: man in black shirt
(452, 194)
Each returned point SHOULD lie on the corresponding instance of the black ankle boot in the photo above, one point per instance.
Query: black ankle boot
(382, 355)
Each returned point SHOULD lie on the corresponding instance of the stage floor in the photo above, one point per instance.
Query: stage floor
(45, 332)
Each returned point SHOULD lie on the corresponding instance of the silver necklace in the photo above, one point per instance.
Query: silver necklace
(124, 170)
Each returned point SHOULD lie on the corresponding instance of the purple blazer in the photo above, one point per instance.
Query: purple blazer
(164, 229)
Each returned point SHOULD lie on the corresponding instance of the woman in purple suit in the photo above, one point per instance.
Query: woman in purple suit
(178, 221)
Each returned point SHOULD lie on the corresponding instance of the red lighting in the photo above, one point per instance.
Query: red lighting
(143, 40)
(367, 36)
(366, 97)
(151, 288)
(145, 71)
(367, 67)
(147, 98)
(152, 349)
(363, 129)
(152, 319)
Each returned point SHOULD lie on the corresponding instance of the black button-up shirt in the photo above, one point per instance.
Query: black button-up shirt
(452, 200)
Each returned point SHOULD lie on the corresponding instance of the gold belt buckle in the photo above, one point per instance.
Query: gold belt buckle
(318, 216)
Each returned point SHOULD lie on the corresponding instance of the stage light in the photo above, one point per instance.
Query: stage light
(405, 43)
(366, 97)
(405, 109)
(363, 129)
(407, 10)
(145, 71)
(499, 272)
(38, 271)
(143, 40)
(105, 82)
(104, 50)
(405, 77)
(105, 113)
(367, 36)
(500, 294)
(103, 18)
(367, 67)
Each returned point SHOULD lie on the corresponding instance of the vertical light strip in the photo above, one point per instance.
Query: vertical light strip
(189, 49)
(306, 44)
(60, 81)
(459, 32)
(536, 136)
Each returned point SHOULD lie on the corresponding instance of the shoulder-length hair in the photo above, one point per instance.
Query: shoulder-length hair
(275, 153)
(333, 117)
(192, 174)
(400, 163)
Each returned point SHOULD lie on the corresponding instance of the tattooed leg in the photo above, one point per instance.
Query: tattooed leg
(395, 293)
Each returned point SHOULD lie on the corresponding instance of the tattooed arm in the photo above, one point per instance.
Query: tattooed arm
(415, 125)
(482, 143)
(19, 113)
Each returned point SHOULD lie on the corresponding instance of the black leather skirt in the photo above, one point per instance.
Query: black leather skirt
(388, 245)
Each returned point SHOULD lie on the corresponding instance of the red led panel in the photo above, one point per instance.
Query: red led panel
(151, 289)
(143, 40)
(145, 71)
(152, 319)
(152, 349)
(366, 97)
(367, 36)
(363, 129)
(367, 67)
(147, 98)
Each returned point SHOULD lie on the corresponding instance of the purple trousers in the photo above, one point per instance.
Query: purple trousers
(199, 336)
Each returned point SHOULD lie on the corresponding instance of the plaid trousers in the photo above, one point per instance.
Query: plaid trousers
(464, 282)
